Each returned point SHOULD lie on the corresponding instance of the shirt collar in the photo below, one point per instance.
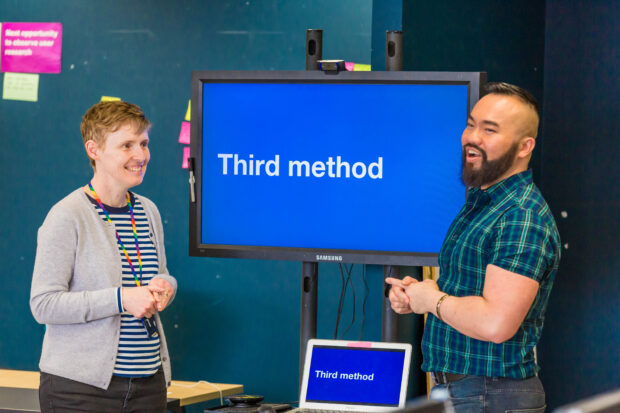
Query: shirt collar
(501, 189)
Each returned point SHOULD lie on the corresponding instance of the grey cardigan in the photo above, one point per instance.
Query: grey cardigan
(77, 272)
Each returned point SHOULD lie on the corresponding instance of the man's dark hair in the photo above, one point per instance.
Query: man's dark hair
(501, 88)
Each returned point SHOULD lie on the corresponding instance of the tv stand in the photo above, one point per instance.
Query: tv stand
(309, 297)
(310, 270)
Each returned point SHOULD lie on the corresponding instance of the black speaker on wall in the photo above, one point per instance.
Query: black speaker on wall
(393, 50)
(314, 48)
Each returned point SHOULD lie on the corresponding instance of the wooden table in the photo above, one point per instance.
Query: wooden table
(183, 393)
(19, 392)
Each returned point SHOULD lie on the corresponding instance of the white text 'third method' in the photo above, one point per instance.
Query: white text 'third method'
(233, 164)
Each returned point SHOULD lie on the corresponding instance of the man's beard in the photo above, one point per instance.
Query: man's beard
(489, 171)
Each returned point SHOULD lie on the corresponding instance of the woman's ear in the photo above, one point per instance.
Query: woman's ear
(92, 149)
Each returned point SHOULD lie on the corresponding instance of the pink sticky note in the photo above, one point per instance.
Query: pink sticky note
(185, 157)
(31, 47)
(349, 66)
(363, 344)
(184, 136)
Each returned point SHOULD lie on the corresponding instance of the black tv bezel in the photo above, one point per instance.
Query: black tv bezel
(475, 81)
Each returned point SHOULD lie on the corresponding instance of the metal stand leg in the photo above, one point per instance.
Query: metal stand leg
(174, 406)
(389, 317)
(309, 294)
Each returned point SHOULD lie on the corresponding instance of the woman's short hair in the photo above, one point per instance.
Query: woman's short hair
(104, 118)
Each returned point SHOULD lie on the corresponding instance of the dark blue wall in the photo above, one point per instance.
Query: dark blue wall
(580, 350)
(234, 321)
(566, 53)
(504, 39)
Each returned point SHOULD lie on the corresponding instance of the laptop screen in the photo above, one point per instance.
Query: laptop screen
(355, 376)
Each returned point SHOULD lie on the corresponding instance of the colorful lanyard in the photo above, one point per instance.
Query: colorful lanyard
(118, 238)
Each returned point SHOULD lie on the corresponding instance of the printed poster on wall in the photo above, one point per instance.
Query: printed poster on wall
(31, 47)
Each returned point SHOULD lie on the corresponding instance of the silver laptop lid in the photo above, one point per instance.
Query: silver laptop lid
(356, 376)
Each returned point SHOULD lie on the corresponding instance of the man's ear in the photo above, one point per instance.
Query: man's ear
(526, 147)
(92, 149)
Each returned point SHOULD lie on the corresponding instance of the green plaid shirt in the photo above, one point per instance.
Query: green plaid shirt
(508, 225)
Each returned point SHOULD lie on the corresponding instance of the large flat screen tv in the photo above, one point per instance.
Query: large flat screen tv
(314, 166)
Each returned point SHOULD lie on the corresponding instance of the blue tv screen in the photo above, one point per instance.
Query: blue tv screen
(318, 167)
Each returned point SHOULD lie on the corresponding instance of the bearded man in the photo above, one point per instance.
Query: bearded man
(497, 266)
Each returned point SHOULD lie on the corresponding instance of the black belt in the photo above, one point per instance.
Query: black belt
(441, 377)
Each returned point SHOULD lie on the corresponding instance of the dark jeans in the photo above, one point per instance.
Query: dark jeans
(144, 395)
(475, 394)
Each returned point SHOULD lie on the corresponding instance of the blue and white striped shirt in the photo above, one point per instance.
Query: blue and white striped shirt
(138, 355)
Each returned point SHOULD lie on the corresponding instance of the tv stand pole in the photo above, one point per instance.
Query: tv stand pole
(389, 317)
(393, 62)
(309, 270)
(309, 294)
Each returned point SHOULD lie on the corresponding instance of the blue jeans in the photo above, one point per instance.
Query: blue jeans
(476, 394)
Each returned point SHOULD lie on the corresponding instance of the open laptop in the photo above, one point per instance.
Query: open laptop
(354, 376)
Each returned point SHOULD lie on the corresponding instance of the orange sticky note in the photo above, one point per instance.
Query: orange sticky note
(185, 157)
(184, 136)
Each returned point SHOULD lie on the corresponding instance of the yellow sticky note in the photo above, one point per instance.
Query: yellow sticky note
(109, 98)
(361, 68)
(21, 86)
(189, 111)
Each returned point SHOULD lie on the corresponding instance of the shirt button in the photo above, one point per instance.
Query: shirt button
(164, 358)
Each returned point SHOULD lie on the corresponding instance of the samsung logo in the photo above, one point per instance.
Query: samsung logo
(329, 257)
